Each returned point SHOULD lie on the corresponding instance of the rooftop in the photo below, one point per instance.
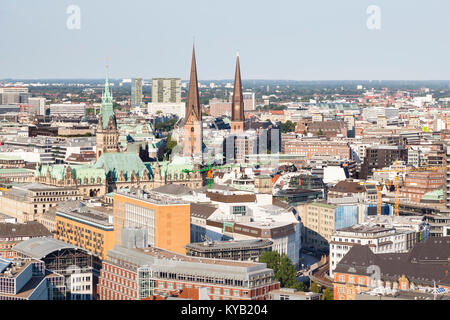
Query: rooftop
(79, 210)
(28, 229)
(151, 196)
(238, 244)
(38, 248)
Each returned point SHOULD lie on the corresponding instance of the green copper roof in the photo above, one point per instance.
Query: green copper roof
(177, 166)
(436, 195)
(58, 172)
(89, 172)
(13, 170)
(115, 162)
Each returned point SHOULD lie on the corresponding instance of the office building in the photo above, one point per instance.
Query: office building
(68, 110)
(135, 274)
(27, 202)
(242, 250)
(37, 105)
(14, 95)
(85, 226)
(136, 92)
(381, 156)
(165, 218)
(320, 220)
(28, 279)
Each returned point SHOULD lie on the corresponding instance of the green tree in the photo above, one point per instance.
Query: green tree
(314, 288)
(288, 126)
(327, 294)
(283, 270)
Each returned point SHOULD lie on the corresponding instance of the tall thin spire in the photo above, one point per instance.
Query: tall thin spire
(106, 111)
(193, 104)
(237, 105)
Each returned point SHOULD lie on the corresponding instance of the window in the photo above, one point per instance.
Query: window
(239, 210)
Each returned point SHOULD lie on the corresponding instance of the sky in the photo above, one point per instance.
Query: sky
(276, 40)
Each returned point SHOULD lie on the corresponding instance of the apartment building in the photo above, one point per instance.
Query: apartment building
(88, 227)
(138, 273)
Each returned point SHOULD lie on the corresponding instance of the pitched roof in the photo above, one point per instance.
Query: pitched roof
(425, 263)
(348, 187)
(27, 229)
(174, 189)
(202, 210)
(231, 198)
(115, 162)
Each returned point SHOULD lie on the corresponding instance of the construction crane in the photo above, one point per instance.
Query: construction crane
(22, 107)
(404, 170)
(209, 169)
(379, 188)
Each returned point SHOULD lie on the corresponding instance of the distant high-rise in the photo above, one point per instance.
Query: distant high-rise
(14, 95)
(38, 105)
(136, 92)
(166, 90)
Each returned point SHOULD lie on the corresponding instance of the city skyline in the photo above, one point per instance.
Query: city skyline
(320, 41)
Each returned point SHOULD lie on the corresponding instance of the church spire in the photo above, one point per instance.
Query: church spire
(237, 105)
(106, 111)
(193, 104)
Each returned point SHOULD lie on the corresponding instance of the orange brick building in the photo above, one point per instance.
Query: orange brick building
(166, 220)
(416, 184)
(89, 228)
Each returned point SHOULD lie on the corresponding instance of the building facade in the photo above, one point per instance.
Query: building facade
(135, 274)
(166, 220)
(90, 228)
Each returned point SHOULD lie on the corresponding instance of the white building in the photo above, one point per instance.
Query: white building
(177, 108)
(245, 215)
(68, 110)
(379, 239)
